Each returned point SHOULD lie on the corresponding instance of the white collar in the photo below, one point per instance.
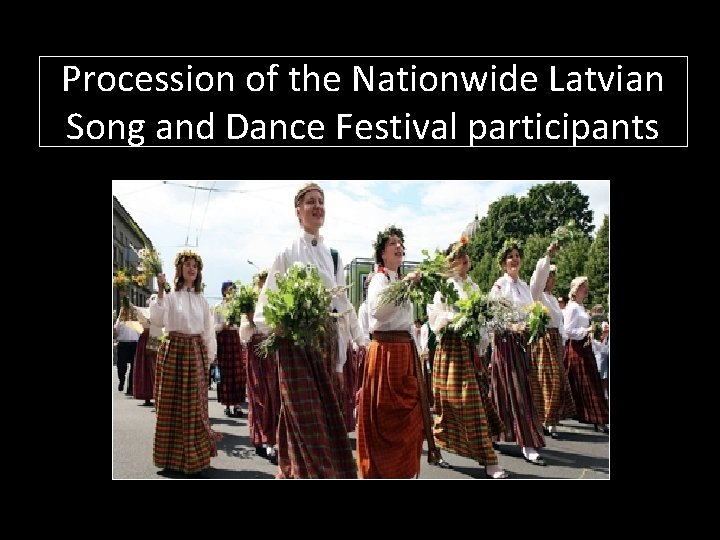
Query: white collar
(309, 238)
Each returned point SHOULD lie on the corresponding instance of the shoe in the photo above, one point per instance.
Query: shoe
(120, 387)
(273, 459)
(237, 413)
(443, 464)
(227, 412)
(500, 475)
(496, 447)
(546, 431)
(147, 403)
(260, 451)
(601, 427)
(554, 435)
(537, 461)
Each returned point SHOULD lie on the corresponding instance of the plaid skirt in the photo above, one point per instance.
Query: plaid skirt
(585, 385)
(231, 388)
(263, 395)
(390, 428)
(461, 422)
(312, 439)
(548, 380)
(510, 389)
(183, 439)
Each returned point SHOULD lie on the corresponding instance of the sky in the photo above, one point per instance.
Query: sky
(232, 222)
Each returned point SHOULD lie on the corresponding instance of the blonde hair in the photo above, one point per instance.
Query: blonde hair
(575, 285)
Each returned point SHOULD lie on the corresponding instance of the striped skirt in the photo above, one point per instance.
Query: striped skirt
(263, 395)
(548, 381)
(390, 429)
(183, 439)
(461, 422)
(312, 439)
(510, 390)
(144, 374)
(587, 391)
(231, 388)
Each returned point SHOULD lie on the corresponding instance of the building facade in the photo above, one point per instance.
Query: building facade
(128, 237)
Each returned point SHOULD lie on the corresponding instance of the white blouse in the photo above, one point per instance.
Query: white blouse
(188, 313)
(537, 289)
(390, 317)
(441, 314)
(517, 292)
(302, 250)
(363, 319)
(577, 321)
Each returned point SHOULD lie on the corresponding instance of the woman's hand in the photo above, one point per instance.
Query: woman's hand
(161, 284)
(414, 276)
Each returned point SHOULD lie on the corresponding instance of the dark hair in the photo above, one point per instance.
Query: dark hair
(504, 254)
(225, 286)
(382, 239)
(179, 260)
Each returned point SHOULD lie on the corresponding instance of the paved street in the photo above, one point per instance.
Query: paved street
(579, 454)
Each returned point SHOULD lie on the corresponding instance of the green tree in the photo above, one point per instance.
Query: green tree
(597, 266)
(570, 261)
(547, 206)
(486, 272)
(534, 247)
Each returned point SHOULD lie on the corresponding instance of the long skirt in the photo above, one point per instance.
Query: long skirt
(390, 429)
(263, 395)
(510, 390)
(231, 388)
(183, 439)
(144, 374)
(348, 389)
(548, 380)
(312, 439)
(461, 423)
(587, 391)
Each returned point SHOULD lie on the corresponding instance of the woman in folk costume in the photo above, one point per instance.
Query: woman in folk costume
(231, 388)
(262, 385)
(548, 380)
(509, 365)
(587, 390)
(312, 439)
(145, 355)
(465, 419)
(184, 441)
(390, 418)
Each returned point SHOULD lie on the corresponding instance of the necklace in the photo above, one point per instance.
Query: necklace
(314, 242)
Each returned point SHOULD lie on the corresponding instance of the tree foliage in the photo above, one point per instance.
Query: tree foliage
(597, 266)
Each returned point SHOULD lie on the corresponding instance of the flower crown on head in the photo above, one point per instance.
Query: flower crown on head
(188, 253)
(510, 243)
(384, 236)
(459, 249)
(303, 190)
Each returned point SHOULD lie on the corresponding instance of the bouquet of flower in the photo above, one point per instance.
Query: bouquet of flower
(122, 279)
(537, 321)
(566, 233)
(300, 307)
(243, 300)
(150, 265)
(473, 314)
(503, 315)
(434, 274)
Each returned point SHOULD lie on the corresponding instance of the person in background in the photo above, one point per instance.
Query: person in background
(262, 385)
(601, 348)
(184, 441)
(231, 388)
(312, 437)
(145, 356)
(548, 381)
(127, 337)
(561, 302)
(417, 335)
(587, 390)
(509, 366)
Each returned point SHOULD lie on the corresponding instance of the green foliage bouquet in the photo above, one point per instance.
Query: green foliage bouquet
(566, 233)
(434, 274)
(242, 300)
(473, 314)
(300, 306)
(537, 321)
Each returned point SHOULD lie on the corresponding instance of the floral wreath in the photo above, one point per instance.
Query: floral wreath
(510, 243)
(188, 253)
(383, 236)
(459, 249)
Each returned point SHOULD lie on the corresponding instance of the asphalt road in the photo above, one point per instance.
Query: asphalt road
(580, 453)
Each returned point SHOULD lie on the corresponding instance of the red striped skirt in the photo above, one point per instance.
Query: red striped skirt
(510, 390)
(585, 385)
(231, 388)
(390, 429)
(312, 439)
(183, 439)
(263, 395)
